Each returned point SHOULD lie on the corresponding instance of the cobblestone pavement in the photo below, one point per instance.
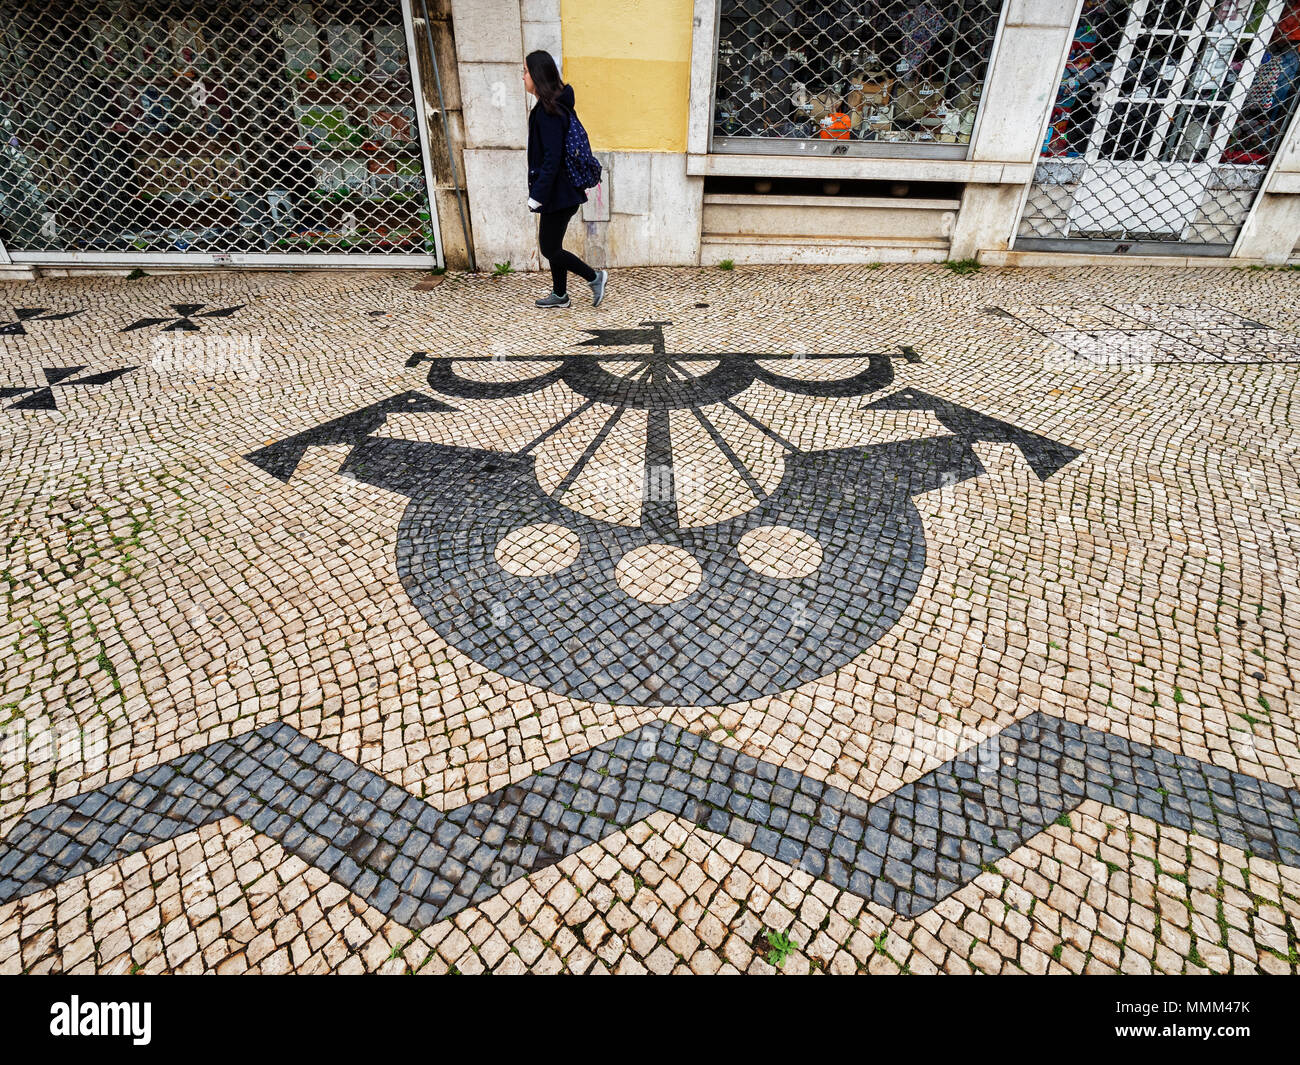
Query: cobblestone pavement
(776, 620)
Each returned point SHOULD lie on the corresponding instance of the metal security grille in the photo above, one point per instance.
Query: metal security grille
(851, 77)
(1168, 114)
(132, 130)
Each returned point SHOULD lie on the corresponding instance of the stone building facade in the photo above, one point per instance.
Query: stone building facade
(393, 132)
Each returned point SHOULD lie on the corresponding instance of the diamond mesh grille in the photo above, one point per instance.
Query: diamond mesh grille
(258, 128)
(1167, 116)
(854, 73)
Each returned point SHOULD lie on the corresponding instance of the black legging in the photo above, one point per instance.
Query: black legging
(550, 238)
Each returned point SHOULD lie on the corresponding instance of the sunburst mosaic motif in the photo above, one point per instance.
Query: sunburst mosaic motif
(665, 536)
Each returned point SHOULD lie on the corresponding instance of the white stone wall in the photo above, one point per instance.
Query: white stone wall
(646, 211)
(1272, 231)
(1022, 83)
(489, 54)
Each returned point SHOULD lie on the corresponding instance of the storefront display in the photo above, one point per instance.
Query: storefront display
(1164, 123)
(172, 127)
(898, 71)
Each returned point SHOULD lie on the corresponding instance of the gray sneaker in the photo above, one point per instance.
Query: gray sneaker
(554, 301)
(598, 287)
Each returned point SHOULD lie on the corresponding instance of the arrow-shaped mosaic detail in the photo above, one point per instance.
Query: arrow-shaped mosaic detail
(418, 865)
(183, 320)
(38, 398)
(23, 315)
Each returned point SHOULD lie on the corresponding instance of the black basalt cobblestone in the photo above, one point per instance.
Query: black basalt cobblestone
(418, 865)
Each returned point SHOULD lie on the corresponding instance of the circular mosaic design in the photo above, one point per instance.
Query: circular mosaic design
(658, 573)
(537, 550)
(780, 551)
(739, 635)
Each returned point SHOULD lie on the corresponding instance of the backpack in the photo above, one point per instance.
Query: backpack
(583, 168)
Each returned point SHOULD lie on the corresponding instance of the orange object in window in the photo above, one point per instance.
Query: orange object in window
(1289, 24)
(836, 126)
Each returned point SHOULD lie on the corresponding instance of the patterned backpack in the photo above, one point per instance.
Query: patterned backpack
(583, 167)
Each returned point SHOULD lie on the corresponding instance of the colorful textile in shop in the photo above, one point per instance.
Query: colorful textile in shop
(920, 28)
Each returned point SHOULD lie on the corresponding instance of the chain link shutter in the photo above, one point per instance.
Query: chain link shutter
(848, 77)
(253, 128)
(1167, 117)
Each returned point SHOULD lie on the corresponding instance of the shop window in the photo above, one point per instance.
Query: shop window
(276, 128)
(1166, 119)
(848, 77)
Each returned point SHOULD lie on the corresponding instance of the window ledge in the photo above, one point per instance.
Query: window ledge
(849, 168)
(892, 204)
(1283, 183)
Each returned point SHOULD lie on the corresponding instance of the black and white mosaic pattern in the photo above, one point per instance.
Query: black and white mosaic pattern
(418, 865)
(740, 632)
(43, 397)
(165, 596)
(184, 318)
(25, 315)
(1110, 334)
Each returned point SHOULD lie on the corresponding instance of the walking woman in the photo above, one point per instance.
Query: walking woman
(550, 192)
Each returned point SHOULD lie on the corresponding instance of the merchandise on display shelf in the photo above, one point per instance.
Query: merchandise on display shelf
(189, 49)
(957, 125)
(870, 89)
(347, 50)
(390, 51)
(815, 105)
(161, 175)
(326, 126)
(392, 124)
(279, 204)
(144, 107)
(301, 46)
(109, 45)
(918, 100)
(341, 177)
(152, 52)
(394, 177)
(1275, 80)
(835, 126)
(217, 176)
(878, 120)
(1289, 24)
(1055, 142)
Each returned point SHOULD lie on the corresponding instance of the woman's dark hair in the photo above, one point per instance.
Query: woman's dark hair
(546, 80)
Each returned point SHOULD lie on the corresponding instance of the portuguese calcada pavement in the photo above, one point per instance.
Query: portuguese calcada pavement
(774, 620)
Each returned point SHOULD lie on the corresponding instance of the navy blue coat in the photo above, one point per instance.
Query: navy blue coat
(548, 178)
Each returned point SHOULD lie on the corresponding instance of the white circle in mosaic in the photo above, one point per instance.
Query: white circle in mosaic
(536, 550)
(658, 574)
(780, 551)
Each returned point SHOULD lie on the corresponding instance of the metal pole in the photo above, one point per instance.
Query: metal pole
(446, 129)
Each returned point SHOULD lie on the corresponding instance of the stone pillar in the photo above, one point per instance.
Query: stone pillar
(1272, 230)
(489, 56)
(1018, 94)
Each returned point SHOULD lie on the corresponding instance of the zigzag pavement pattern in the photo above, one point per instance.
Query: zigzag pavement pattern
(418, 865)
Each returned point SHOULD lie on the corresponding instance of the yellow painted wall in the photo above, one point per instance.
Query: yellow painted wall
(629, 62)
